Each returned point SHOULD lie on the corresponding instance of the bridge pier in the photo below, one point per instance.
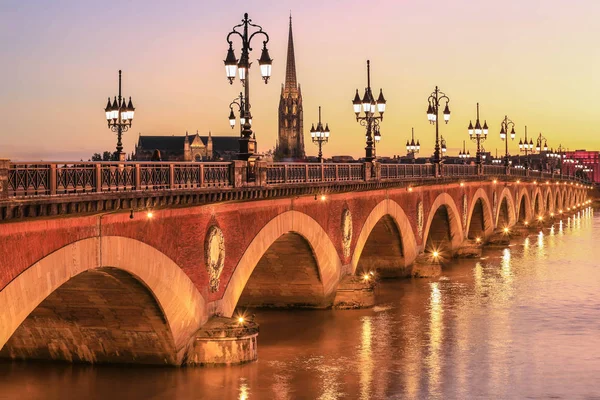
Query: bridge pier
(426, 266)
(224, 341)
(355, 291)
(470, 248)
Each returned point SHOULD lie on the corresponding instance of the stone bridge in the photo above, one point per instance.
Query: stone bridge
(96, 270)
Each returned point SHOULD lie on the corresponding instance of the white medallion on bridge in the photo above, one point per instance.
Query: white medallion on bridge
(465, 204)
(214, 250)
(420, 219)
(346, 232)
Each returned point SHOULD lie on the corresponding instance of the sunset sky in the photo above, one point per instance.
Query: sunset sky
(536, 61)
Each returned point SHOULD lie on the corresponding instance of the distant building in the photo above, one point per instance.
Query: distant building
(186, 148)
(290, 141)
(589, 159)
(342, 159)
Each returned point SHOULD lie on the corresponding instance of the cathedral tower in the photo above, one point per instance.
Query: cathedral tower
(291, 133)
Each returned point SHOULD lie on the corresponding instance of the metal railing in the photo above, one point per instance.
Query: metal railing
(458, 170)
(290, 173)
(404, 171)
(58, 178)
(71, 178)
(494, 170)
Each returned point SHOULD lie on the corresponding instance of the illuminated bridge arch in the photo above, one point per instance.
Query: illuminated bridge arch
(387, 214)
(444, 217)
(506, 211)
(524, 205)
(480, 221)
(124, 264)
(290, 225)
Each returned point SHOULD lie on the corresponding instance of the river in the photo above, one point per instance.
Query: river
(521, 322)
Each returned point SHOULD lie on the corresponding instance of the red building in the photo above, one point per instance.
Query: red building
(588, 161)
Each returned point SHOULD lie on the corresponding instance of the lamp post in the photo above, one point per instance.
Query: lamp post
(541, 145)
(561, 156)
(119, 116)
(507, 123)
(412, 148)
(242, 66)
(478, 134)
(432, 115)
(538, 146)
(464, 155)
(369, 120)
(443, 146)
(320, 135)
(239, 103)
(526, 147)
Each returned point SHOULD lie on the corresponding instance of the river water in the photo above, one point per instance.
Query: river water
(522, 322)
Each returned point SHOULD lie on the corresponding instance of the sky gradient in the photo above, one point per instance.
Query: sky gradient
(536, 61)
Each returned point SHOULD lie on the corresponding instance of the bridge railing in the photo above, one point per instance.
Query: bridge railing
(458, 170)
(494, 170)
(25, 179)
(407, 171)
(518, 171)
(284, 173)
(57, 178)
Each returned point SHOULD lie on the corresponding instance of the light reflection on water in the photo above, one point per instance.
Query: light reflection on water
(521, 322)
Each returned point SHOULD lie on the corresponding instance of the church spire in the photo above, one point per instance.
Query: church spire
(290, 69)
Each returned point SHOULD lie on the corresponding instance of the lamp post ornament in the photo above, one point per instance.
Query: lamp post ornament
(507, 123)
(478, 134)
(370, 120)
(320, 135)
(412, 147)
(242, 66)
(119, 116)
(434, 100)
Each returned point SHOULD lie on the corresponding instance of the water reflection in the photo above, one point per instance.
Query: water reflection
(436, 327)
(366, 360)
(522, 322)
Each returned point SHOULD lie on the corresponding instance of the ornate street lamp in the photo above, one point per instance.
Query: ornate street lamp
(238, 102)
(432, 115)
(369, 106)
(443, 146)
(412, 148)
(478, 134)
(247, 142)
(538, 146)
(504, 126)
(464, 155)
(119, 116)
(320, 135)
(526, 147)
(560, 157)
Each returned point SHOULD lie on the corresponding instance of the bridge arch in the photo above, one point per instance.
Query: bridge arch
(387, 209)
(444, 211)
(524, 206)
(480, 221)
(506, 212)
(290, 222)
(537, 205)
(548, 203)
(181, 304)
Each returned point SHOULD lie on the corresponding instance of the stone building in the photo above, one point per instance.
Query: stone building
(290, 142)
(186, 148)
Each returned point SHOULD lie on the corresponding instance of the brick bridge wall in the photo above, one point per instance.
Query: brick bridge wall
(167, 252)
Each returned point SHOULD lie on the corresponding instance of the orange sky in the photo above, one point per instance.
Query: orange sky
(536, 61)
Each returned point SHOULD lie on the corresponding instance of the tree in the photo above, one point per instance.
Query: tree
(105, 156)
